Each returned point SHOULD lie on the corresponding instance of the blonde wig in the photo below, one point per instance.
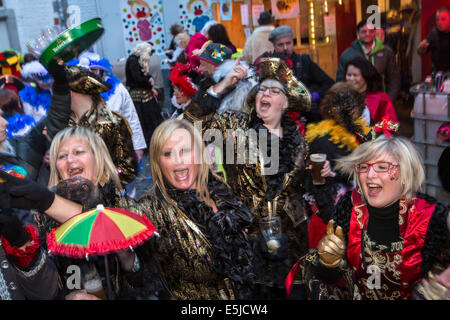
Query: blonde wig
(106, 169)
(159, 139)
(143, 51)
(412, 174)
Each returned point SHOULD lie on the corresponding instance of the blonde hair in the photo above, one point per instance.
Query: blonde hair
(182, 39)
(412, 174)
(106, 169)
(159, 138)
(143, 51)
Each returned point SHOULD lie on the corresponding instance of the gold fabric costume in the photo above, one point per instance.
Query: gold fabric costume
(194, 113)
(251, 186)
(184, 254)
(113, 128)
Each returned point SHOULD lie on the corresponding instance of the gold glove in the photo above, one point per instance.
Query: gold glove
(331, 247)
(431, 289)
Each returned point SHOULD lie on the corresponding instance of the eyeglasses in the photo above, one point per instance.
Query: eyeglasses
(273, 91)
(381, 166)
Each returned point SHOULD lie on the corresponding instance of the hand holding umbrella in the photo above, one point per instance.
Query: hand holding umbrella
(99, 232)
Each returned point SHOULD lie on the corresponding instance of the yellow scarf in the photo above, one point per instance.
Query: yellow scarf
(338, 134)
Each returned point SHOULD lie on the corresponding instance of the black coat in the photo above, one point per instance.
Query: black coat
(40, 282)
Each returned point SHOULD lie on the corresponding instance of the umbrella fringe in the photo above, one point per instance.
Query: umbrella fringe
(75, 251)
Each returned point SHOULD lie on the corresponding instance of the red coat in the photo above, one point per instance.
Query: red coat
(196, 42)
(380, 106)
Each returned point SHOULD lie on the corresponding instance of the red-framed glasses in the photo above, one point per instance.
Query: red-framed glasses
(380, 166)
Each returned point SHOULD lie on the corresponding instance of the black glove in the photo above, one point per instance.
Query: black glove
(4, 191)
(58, 72)
(24, 194)
(11, 228)
(280, 254)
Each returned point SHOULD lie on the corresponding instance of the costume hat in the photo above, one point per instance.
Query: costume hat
(83, 81)
(180, 79)
(277, 69)
(216, 54)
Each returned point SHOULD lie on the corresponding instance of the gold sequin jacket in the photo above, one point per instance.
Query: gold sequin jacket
(280, 193)
(201, 254)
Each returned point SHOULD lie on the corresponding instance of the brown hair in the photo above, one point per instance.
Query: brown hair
(340, 102)
(10, 102)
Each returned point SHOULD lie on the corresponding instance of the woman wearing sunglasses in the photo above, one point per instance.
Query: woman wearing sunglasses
(389, 236)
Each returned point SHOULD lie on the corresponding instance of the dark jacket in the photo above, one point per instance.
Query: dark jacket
(134, 74)
(40, 282)
(440, 49)
(29, 150)
(382, 58)
(312, 76)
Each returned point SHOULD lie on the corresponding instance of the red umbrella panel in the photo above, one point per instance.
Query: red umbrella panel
(100, 231)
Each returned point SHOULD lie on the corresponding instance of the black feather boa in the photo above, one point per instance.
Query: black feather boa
(226, 230)
(290, 147)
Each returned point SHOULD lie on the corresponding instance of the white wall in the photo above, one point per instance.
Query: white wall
(4, 38)
(31, 17)
(34, 15)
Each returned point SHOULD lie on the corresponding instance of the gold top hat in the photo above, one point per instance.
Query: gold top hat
(277, 69)
(83, 81)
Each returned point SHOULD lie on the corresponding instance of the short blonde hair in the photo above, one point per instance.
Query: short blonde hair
(412, 174)
(159, 138)
(106, 168)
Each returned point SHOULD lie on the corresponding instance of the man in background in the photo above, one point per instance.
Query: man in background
(438, 41)
(258, 42)
(381, 56)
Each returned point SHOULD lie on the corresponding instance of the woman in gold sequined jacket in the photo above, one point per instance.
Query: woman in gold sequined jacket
(269, 181)
(203, 250)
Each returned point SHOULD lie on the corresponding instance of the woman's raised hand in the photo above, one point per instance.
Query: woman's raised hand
(239, 72)
(331, 247)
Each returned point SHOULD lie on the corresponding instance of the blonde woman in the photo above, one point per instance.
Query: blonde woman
(82, 171)
(140, 85)
(389, 236)
(203, 251)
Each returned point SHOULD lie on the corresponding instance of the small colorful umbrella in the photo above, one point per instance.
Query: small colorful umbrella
(98, 232)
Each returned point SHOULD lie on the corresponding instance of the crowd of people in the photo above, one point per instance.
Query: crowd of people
(236, 199)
